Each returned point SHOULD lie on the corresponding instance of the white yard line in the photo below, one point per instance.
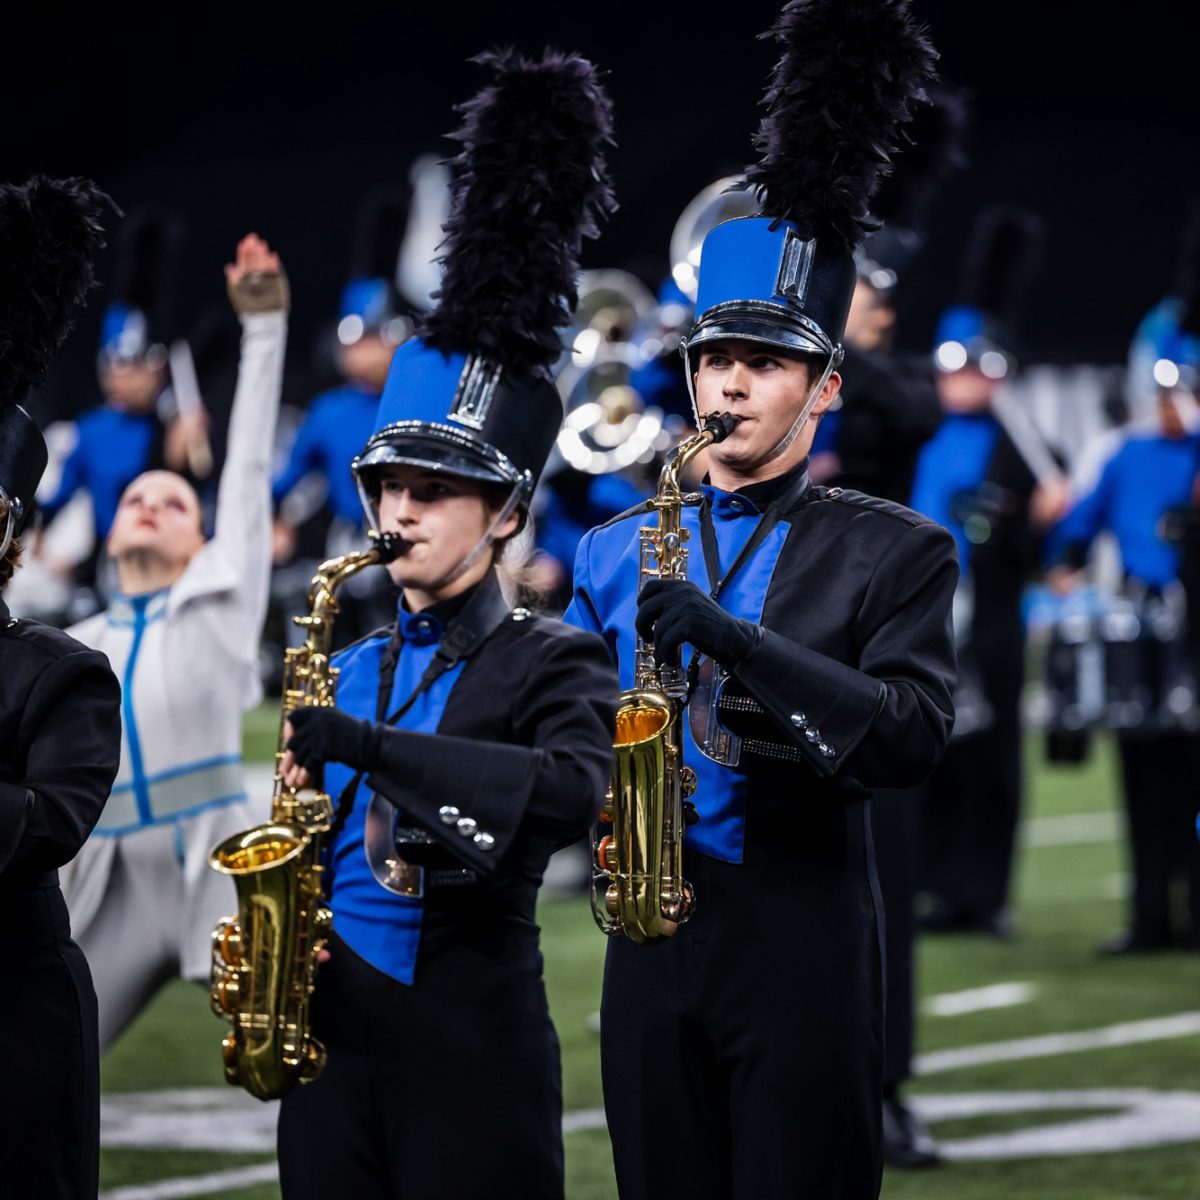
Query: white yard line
(995, 995)
(1129, 1033)
(197, 1185)
(1077, 829)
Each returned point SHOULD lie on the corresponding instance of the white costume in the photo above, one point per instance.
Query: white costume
(143, 900)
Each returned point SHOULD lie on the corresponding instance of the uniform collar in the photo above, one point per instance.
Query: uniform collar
(124, 609)
(425, 628)
(4, 613)
(785, 491)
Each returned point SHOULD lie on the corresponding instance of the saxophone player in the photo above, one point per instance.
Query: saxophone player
(470, 738)
(743, 1057)
(182, 636)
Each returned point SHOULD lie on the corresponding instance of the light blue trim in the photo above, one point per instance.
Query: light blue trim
(171, 818)
(201, 765)
(141, 789)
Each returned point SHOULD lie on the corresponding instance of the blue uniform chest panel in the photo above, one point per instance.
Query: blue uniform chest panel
(953, 461)
(382, 928)
(720, 797)
(1150, 476)
(115, 448)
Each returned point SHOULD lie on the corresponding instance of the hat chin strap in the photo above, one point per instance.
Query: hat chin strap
(788, 438)
(10, 522)
(480, 548)
(489, 536)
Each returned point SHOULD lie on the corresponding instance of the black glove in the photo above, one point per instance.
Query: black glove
(322, 735)
(674, 611)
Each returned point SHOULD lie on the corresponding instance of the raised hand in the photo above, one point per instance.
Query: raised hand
(256, 281)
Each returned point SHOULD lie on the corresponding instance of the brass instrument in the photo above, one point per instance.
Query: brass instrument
(639, 862)
(265, 958)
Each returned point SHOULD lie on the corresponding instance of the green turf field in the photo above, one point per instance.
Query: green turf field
(1110, 1116)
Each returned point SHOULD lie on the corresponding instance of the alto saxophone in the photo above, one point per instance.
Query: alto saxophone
(638, 842)
(265, 958)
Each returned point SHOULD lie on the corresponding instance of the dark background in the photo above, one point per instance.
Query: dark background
(279, 122)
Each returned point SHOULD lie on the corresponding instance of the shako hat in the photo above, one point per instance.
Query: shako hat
(980, 329)
(138, 321)
(471, 394)
(369, 301)
(902, 203)
(49, 233)
(836, 105)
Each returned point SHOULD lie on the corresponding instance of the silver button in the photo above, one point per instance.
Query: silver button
(736, 505)
(521, 614)
(827, 751)
(813, 734)
(467, 826)
(484, 841)
(448, 813)
(799, 719)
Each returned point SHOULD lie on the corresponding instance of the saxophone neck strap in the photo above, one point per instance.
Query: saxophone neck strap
(476, 621)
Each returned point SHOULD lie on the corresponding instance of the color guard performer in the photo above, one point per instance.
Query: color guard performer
(60, 732)
(183, 636)
(743, 1057)
(484, 732)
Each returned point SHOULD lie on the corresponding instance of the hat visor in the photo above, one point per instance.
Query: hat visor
(767, 324)
(437, 448)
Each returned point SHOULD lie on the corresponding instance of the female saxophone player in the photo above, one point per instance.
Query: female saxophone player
(484, 733)
(182, 636)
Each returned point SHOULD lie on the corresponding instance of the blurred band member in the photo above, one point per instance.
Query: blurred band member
(60, 736)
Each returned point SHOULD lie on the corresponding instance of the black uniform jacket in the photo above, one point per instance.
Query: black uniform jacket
(523, 749)
(60, 742)
(889, 411)
(855, 667)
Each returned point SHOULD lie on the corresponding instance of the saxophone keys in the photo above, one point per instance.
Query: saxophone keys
(228, 942)
(612, 901)
(606, 854)
(687, 782)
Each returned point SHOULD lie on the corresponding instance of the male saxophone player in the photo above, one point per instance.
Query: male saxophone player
(743, 1057)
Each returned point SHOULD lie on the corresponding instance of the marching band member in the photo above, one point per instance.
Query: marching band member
(1151, 474)
(125, 436)
(972, 478)
(743, 1057)
(485, 732)
(60, 732)
(182, 635)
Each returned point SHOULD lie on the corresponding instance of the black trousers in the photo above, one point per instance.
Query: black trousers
(972, 802)
(50, 1079)
(895, 825)
(448, 1090)
(742, 1058)
(1162, 794)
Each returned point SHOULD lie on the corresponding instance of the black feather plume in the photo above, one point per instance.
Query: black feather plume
(937, 133)
(530, 183)
(1187, 279)
(1005, 250)
(379, 232)
(49, 234)
(836, 106)
(148, 248)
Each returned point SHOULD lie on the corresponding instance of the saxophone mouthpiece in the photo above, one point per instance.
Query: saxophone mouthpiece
(390, 545)
(720, 425)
